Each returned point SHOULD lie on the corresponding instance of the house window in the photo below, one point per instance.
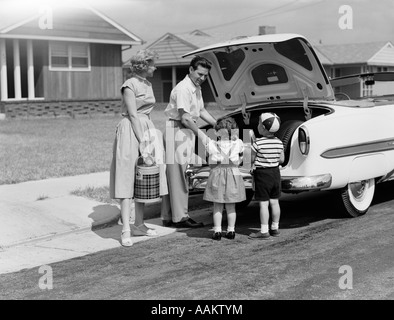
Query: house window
(382, 69)
(69, 56)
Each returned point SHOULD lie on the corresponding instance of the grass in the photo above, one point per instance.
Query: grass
(49, 148)
(42, 197)
(100, 194)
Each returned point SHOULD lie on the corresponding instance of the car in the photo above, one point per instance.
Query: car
(331, 142)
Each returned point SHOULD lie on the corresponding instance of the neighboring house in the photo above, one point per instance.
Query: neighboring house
(171, 67)
(338, 60)
(64, 61)
(347, 59)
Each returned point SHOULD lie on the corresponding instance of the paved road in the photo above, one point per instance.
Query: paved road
(318, 256)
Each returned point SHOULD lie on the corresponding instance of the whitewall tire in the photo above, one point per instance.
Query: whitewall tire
(357, 197)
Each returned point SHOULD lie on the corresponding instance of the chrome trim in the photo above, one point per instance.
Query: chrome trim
(307, 142)
(357, 149)
(389, 176)
(306, 183)
(197, 178)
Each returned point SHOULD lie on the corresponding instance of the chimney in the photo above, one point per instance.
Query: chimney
(266, 30)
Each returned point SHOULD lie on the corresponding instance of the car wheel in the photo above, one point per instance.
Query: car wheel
(245, 203)
(357, 197)
(285, 133)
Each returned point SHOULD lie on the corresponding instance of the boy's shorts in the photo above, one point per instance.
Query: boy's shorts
(267, 183)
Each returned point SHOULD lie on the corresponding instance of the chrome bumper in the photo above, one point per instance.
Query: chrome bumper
(197, 179)
(309, 183)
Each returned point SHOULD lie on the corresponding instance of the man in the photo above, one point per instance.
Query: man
(186, 106)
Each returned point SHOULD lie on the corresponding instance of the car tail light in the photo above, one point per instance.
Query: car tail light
(303, 140)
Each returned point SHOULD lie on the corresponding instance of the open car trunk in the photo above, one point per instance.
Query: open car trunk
(291, 114)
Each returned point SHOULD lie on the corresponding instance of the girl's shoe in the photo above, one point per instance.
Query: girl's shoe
(217, 236)
(126, 240)
(275, 233)
(230, 235)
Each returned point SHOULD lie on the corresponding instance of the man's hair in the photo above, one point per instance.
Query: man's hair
(200, 61)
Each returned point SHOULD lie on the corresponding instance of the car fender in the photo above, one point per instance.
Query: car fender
(332, 133)
(367, 167)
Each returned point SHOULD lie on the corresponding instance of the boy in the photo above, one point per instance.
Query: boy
(267, 154)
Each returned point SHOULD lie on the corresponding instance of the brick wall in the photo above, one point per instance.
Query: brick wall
(54, 109)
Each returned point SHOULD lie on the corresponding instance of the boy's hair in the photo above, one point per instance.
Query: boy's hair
(200, 61)
(227, 127)
(140, 61)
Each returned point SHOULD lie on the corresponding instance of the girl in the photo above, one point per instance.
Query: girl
(225, 185)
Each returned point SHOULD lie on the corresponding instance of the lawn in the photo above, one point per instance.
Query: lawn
(48, 148)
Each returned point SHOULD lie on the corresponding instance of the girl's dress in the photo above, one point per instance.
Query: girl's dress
(225, 183)
(126, 146)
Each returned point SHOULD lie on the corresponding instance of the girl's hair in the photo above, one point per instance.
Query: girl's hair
(227, 128)
(140, 61)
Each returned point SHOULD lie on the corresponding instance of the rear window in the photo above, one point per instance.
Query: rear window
(294, 51)
(229, 62)
(266, 74)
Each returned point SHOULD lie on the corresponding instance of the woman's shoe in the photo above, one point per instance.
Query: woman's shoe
(217, 236)
(230, 235)
(143, 230)
(126, 240)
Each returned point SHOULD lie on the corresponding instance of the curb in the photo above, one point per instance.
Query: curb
(96, 225)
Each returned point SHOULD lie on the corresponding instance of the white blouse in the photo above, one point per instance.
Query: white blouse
(225, 151)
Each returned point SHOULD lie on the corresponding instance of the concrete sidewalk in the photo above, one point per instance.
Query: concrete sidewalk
(38, 209)
(41, 222)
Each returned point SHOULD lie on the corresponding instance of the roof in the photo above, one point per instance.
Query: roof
(80, 23)
(355, 53)
(170, 47)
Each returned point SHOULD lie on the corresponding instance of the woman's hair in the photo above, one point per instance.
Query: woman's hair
(227, 128)
(140, 61)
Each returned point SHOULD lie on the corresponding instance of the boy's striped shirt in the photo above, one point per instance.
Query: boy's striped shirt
(268, 152)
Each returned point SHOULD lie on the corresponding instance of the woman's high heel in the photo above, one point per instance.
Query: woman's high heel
(126, 240)
(143, 230)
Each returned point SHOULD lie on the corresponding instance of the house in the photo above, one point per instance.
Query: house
(171, 67)
(64, 60)
(347, 59)
(338, 60)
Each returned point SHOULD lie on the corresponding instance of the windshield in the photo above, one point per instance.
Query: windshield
(364, 86)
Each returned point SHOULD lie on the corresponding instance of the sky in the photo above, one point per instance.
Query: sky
(320, 21)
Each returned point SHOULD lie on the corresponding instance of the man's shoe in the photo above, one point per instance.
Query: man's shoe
(217, 236)
(275, 233)
(168, 223)
(230, 235)
(259, 236)
(189, 223)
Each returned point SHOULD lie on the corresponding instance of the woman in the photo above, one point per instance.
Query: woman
(134, 136)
